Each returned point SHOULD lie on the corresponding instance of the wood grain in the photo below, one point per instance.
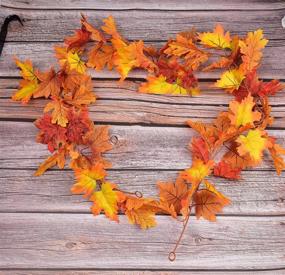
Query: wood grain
(120, 103)
(144, 5)
(82, 241)
(138, 147)
(133, 272)
(150, 25)
(20, 191)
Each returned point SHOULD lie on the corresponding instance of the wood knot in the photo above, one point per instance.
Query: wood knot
(114, 139)
(70, 245)
(198, 239)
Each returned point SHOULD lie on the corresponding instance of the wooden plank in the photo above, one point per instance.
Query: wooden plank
(82, 241)
(120, 103)
(42, 55)
(150, 25)
(162, 147)
(144, 5)
(134, 272)
(20, 191)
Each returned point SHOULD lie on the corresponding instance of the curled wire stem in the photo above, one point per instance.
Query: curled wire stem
(172, 254)
(138, 194)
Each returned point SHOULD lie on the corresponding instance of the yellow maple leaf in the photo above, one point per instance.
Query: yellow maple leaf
(198, 171)
(241, 113)
(217, 39)
(29, 84)
(129, 56)
(253, 143)
(230, 80)
(251, 49)
(75, 63)
(26, 91)
(159, 85)
(59, 111)
(87, 179)
(105, 200)
(143, 216)
(27, 70)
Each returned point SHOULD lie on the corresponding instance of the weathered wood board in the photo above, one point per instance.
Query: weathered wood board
(46, 230)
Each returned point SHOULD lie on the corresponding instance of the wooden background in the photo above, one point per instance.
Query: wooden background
(44, 229)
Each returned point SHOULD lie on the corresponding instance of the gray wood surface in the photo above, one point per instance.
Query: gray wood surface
(145, 5)
(60, 240)
(46, 230)
(21, 192)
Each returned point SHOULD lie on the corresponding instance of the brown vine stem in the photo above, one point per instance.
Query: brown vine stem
(172, 254)
(138, 194)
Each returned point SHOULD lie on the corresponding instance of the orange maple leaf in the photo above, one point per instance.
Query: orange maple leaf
(251, 49)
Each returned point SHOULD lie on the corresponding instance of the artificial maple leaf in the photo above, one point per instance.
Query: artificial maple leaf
(253, 143)
(198, 171)
(26, 90)
(166, 208)
(208, 204)
(69, 59)
(140, 212)
(78, 40)
(29, 84)
(143, 216)
(99, 140)
(101, 56)
(225, 170)
(72, 80)
(216, 39)
(276, 152)
(78, 125)
(111, 28)
(86, 179)
(183, 47)
(27, 69)
(207, 132)
(51, 134)
(105, 200)
(49, 84)
(233, 158)
(199, 149)
(228, 60)
(159, 85)
(172, 193)
(95, 34)
(59, 111)
(270, 88)
(58, 158)
(241, 113)
(82, 94)
(75, 63)
(230, 80)
(251, 49)
(129, 56)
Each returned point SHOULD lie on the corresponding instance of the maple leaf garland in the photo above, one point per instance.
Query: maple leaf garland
(240, 132)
